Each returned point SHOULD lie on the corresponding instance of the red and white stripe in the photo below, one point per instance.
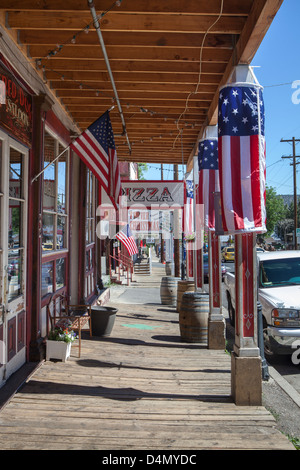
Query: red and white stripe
(242, 183)
(94, 156)
(115, 183)
(128, 242)
(208, 185)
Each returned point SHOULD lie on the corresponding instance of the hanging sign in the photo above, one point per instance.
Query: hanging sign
(15, 107)
(153, 193)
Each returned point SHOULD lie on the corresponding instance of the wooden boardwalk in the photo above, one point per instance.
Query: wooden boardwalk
(140, 389)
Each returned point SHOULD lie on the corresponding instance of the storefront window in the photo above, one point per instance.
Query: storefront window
(55, 196)
(90, 233)
(55, 216)
(15, 213)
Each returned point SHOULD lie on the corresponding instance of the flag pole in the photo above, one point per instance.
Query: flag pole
(51, 163)
(97, 27)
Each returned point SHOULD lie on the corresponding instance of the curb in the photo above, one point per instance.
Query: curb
(284, 385)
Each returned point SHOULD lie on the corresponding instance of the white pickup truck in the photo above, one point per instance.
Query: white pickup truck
(279, 294)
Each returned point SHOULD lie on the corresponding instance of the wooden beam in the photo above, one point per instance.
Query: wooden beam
(231, 7)
(124, 39)
(77, 20)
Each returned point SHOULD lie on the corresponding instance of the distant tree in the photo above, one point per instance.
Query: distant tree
(284, 226)
(275, 209)
(142, 167)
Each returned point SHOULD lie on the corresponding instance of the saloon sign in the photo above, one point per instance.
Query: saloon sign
(15, 107)
(153, 193)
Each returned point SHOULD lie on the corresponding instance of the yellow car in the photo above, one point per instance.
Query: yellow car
(228, 254)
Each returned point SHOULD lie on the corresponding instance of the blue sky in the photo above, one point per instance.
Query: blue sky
(278, 66)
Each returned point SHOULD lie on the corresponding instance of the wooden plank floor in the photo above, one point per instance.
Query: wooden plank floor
(139, 389)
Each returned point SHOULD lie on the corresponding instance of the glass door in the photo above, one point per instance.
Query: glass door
(13, 222)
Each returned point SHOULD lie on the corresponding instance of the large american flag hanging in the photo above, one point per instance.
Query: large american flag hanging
(96, 147)
(242, 158)
(208, 167)
(126, 238)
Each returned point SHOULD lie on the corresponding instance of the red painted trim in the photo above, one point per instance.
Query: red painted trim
(11, 338)
(216, 278)
(248, 285)
(57, 126)
(21, 331)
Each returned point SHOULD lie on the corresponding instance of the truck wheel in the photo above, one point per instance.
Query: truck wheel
(231, 311)
(269, 354)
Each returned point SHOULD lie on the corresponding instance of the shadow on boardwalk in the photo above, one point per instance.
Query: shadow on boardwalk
(142, 388)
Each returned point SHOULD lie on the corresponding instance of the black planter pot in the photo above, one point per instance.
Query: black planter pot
(103, 319)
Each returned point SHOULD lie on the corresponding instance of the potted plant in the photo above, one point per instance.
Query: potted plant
(59, 341)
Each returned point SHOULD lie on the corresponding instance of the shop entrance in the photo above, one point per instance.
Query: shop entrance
(13, 231)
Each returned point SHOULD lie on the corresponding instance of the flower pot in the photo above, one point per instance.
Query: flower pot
(102, 319)
(57, 350)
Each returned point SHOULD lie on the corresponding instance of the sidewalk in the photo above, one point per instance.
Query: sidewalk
(139, 389)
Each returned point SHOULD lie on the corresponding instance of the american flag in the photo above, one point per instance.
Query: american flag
(189, 208)
(242, 158)
(96, 147)
(126, 238)
(208, 167)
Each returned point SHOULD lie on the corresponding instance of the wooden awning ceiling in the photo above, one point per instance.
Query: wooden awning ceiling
(160, 53)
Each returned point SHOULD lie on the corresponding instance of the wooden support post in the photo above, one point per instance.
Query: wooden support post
(216, 322)
(246, 376)
(41, 104)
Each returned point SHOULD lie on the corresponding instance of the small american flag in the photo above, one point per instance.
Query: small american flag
(242, 158)
(126, 238)
(208, 167)
(96, 147)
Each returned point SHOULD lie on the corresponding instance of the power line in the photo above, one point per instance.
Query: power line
(294, 156)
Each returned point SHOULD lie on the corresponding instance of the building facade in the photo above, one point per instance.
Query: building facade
(48, 242)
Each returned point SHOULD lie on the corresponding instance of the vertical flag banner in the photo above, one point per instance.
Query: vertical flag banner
(96, 148)
(208, 167)
(189, 208)
(126, 238)
(242, 158)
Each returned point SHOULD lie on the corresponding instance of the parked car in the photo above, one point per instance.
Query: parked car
(278, 294)
(205, 268)
(227, 254)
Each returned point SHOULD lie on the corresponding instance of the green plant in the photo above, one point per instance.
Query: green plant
(295, 441)
(62, 332)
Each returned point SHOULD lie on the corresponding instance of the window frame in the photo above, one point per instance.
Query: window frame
(52, 256)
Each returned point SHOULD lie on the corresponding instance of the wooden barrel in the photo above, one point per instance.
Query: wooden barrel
(182, 287)
(168, 290)
(193, 317)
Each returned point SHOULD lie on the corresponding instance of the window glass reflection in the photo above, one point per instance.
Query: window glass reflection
(47, 240)
(14, 274)
(49, 174)
(47, 278)
(14, 224)
(61, 188)
(15, 174)
(60, 273)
